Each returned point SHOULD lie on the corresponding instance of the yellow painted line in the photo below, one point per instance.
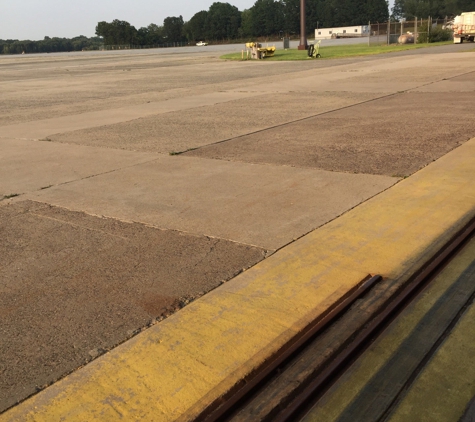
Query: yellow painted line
(175, 368)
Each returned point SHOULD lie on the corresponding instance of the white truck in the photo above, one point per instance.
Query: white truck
(464, 27)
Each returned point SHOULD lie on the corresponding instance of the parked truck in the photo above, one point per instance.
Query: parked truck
(464, 27)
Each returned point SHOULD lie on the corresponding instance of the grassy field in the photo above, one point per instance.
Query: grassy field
(338, 51)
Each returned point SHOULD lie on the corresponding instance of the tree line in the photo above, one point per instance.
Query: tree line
(437, 9)
(50, 45)
(223, 21)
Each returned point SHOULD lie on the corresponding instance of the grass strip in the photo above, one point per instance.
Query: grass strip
(341, 51)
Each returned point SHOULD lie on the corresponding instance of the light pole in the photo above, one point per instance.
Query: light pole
(303, 36)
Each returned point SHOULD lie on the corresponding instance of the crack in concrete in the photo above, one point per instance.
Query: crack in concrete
(69, 223)
(322, 113)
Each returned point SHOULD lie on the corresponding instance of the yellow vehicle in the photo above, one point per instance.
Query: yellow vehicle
(259, 52)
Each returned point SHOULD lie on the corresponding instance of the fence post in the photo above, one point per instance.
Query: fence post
(369, 33)
(415, 30)
(389, 32)
(428, 29)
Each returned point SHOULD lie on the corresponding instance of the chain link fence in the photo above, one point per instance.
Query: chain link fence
(417, 31)
(135, 47)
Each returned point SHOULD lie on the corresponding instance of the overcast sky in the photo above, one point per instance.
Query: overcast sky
(35, 19)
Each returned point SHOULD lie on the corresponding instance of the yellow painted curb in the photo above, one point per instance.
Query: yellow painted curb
(175, 368)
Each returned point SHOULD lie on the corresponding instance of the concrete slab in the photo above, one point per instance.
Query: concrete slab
(74, 286)
(30, 165)
(42, 128)
(240, 200)
(468, 78)
(338, 79)
(424, 73)
(174, 132)
(266, 206)
(392, 234)
(384, 75)
(463, 83)
(54, 87)
(388, 136)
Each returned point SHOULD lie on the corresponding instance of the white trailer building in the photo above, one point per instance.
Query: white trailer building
(342, 32)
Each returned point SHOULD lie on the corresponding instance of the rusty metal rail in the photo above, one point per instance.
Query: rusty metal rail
(381, 321)
(227, 407)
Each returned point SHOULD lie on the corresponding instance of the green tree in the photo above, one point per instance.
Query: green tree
(155, 34)
(224, 21)
(173, 28)
(349, 12)
(465, 6)
(142, 36)
(104, 30)
(331, 13)
(438, 9)
(313, 14)
(413, 8)
(246, 23)
(326, 14)
(397, 12)
(376, 11)
(150, 35)
(291, 11)
(196, 28)
(117, 32)
(267, 18)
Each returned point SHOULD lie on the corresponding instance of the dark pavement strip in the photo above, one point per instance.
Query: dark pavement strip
(171, 132)
(395, 136)
(73, 286)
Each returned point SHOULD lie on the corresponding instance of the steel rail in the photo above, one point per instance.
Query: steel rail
(220, 409)
(376, 325)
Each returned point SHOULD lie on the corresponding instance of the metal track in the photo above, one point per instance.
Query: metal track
(366, 336)
(228, 406)
(224, 407)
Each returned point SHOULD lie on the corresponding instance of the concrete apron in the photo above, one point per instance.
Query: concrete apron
(29, 166)
(43, 128)
(173, 370)
(265, 206)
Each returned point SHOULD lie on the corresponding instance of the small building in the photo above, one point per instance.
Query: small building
(342, 32)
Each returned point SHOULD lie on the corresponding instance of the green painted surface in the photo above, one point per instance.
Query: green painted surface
(445, 387)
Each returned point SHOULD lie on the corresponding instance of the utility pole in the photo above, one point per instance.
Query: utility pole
(303, 36)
